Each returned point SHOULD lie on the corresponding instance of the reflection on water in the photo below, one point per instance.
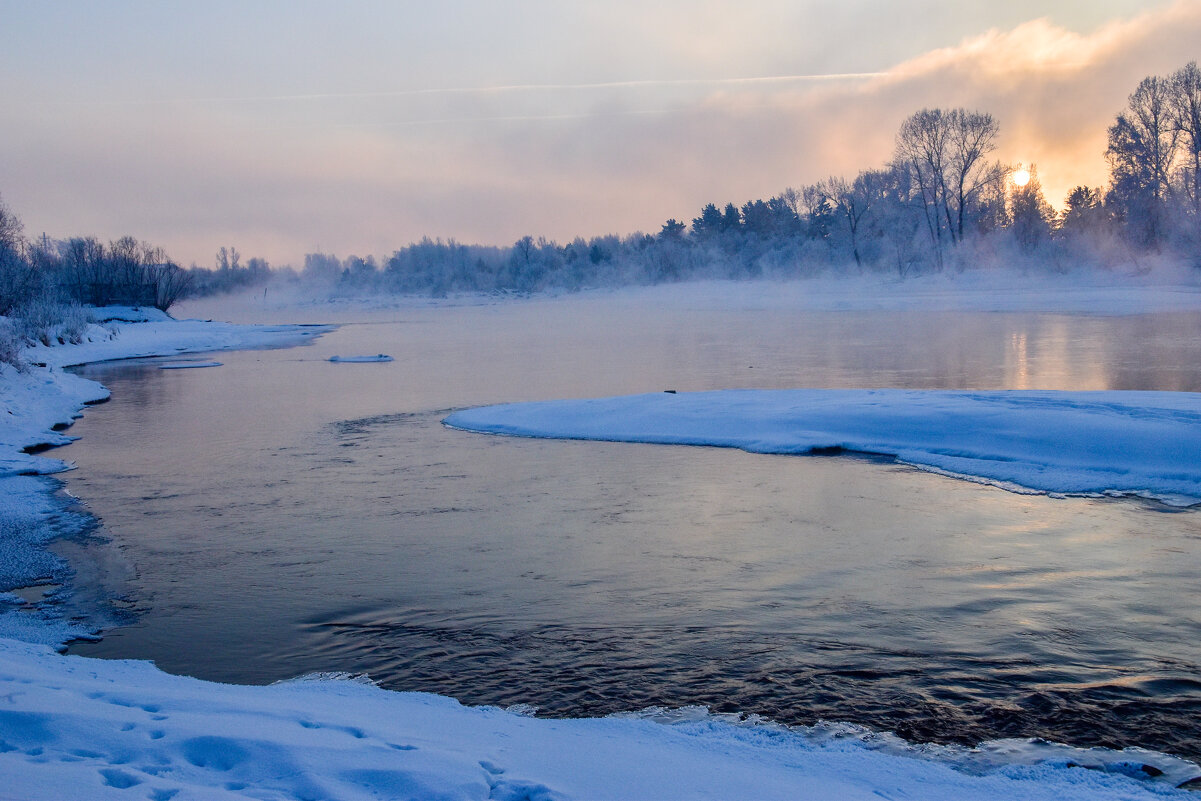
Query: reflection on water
(287, 515)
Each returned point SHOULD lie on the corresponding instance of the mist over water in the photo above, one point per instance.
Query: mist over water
(287, 515)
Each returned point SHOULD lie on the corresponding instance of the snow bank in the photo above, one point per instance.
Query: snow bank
(128, 314)
(83, 728)
(169, 337)
(35, 403)
(1144, 443)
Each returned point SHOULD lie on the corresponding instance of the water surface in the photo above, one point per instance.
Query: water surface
(285, 514)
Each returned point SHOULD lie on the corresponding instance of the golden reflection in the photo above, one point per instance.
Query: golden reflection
(1020, 357)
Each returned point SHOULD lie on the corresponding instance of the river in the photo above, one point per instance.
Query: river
(282, 514)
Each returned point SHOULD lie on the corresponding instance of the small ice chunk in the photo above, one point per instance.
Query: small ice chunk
(379, 357)
(187, 365)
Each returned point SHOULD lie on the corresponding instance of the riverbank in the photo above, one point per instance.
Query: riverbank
(40, 401)
(74, 727)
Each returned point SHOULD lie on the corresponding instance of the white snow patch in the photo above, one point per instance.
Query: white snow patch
(128, 314)
(168, 338)
(72, 727)
(1112, 442)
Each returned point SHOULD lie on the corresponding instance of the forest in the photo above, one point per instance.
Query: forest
(942, 202)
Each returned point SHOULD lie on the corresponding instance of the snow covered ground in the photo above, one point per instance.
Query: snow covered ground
(76, 728)
(1144, 443)
(153, 333)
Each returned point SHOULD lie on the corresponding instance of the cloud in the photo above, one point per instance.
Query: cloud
(1054, 91)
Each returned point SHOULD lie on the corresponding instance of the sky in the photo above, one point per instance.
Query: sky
(283, 127)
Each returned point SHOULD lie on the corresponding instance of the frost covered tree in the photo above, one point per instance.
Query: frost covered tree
(1083, 212)
(853, 202)
(709, 224)
(1186, 119)
(1030, 215)
(11, 228)
(946, 152)
(1142, 147)
(17, 276)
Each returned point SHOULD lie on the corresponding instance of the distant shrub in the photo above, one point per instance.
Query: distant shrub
(10, 346)
(75, 322)
(44, 321)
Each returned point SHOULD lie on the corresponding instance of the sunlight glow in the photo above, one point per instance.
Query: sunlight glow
(1021, 177)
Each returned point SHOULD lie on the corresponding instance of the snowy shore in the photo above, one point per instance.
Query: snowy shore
(72, 727)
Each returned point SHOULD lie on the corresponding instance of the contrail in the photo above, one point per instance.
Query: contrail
(501, 89)
(562, 87)
(558, 87)
(517, 118)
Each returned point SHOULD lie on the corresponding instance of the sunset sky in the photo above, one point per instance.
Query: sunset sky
(356, 127)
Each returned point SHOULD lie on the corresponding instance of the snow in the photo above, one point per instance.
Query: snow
(379, 357)
(167, 338)
(1112, 442)
(129, 314)
(34, 402)
(73, 727)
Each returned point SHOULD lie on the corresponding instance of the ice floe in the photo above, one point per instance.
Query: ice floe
(1143, 443)
(97, 729)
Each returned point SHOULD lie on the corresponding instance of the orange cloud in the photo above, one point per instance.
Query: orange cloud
(1054, 91)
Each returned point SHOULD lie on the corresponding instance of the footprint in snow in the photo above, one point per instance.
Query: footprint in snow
(119, 778)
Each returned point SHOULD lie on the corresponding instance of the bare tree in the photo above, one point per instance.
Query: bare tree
(947, 154)
(1185, 98)
(897, 220)
(228, 259)
(853, 201)
(171, 283)
(18, 276)
(11, 229)
(1142, 147)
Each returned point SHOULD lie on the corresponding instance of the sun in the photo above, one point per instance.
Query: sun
(1021, 177)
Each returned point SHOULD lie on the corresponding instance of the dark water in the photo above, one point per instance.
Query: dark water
(286, 515)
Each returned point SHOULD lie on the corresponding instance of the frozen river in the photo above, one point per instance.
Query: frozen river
(282, 514)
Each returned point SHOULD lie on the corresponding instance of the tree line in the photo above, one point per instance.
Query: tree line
(84, 271)
(942, 200)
